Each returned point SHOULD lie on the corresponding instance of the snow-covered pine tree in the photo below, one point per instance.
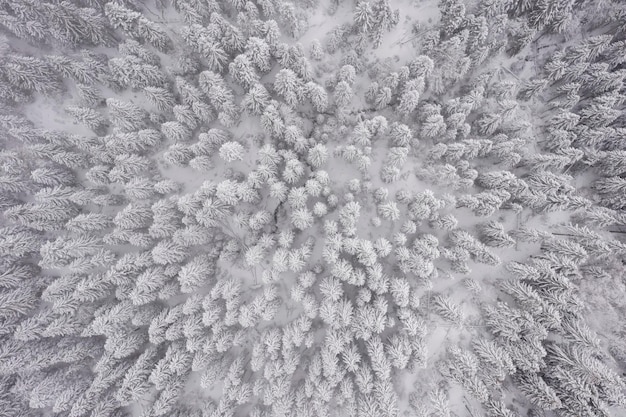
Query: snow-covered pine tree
(493, 234)
(256, 99)
(135, 24)
(343, 94)
(289, 86)
(88, 116)
(176, 132)
(231, 151)
(126, 116)
(317, 95)
(242, 71)
(159, 97)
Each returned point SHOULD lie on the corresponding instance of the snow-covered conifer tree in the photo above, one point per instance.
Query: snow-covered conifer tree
(343, 93)
(389, 210)
(160, 97)
(126, 116)
(290, 86)
(302, 218)
(196, 273)
(90, 117)
(258, 51)
(176, 132)
(409, 100)
(256, 99)
(242, 71)
(318, 96)
(318, 155)
(137, 25)
(231, 151)
(493, 234)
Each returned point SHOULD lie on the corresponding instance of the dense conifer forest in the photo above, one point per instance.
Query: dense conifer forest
(312, 208)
